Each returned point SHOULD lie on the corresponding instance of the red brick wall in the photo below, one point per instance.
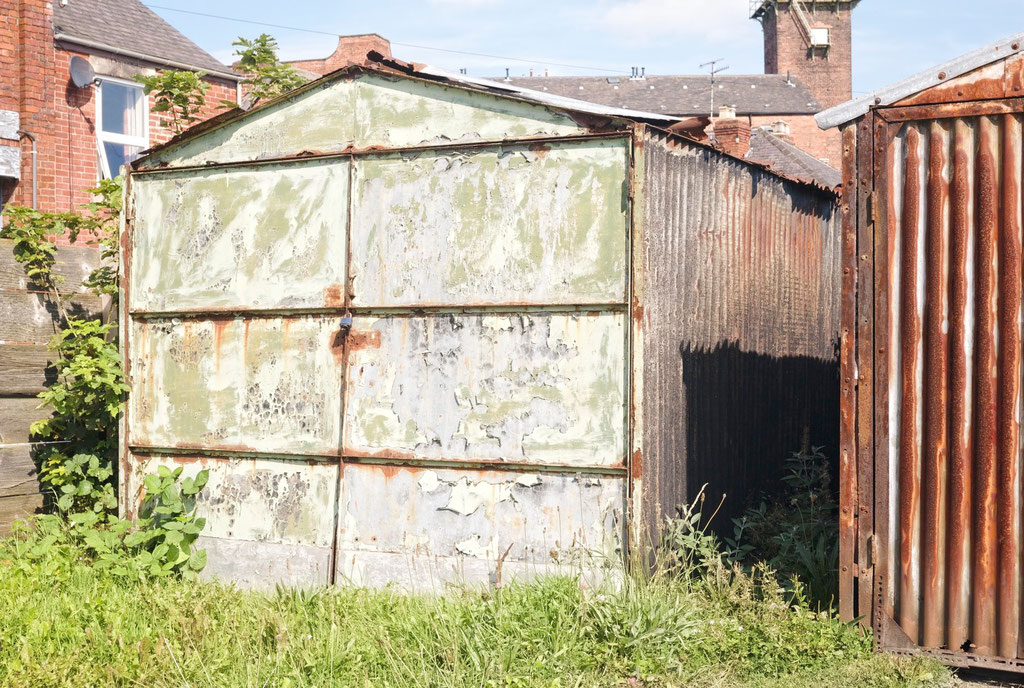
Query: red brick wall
(807, 136)
(351, 49)
(34, 81)
(827, 73)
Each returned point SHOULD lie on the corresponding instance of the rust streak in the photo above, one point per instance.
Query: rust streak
(960, 447)
(910, 336)
(935, 392)
(1008, 604)
(983, 633)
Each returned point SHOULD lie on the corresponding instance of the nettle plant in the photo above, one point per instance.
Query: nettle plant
(79, 440)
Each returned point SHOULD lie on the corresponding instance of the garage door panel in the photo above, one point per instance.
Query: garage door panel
(540, 224)
(265, 384)
(265, 237)
(453, 525)
(546, 388)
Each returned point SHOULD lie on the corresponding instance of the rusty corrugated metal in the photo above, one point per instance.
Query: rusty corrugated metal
(741, 325)
(954, 201)
(946, 194)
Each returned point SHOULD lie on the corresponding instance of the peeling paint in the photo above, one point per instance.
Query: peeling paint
(495, 225)
(368, 110)
(543, 388)
(426, 520)
(235, 384)
(267, 237)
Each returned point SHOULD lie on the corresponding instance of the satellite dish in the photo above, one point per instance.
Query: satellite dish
(82, 73)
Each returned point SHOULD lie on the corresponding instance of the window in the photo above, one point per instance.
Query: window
(819, 37)
(121, 119)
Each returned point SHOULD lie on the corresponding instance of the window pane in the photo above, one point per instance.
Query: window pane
(118, 155)
(122, 109)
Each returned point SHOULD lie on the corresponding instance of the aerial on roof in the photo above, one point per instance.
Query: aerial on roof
(929, 78)
(783, 157)
(683, 96)
(128, 27)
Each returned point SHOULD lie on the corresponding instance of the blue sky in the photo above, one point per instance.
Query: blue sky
(892, 38)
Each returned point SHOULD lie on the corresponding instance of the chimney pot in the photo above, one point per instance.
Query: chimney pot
(727, 112)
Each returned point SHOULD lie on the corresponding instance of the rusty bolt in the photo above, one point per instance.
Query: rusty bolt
(881, 349)
(942, 75)
(1015, 46)
(878, 101)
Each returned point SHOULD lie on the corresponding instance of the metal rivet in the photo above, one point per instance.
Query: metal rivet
(942, 75)
(1015, 46)
(878, 101)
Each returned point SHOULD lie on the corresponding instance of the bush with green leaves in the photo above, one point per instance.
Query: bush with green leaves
(178, 95)
(162, 542)
(797, 531)
(266, 77)
(78, 441)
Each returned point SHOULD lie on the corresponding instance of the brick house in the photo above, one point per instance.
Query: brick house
(82, 134)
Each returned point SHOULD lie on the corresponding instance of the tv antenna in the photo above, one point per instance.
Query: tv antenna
(715, 70)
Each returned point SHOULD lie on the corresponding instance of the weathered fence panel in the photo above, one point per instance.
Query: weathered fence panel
(28, 318)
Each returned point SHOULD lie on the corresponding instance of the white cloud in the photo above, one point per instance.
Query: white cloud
(712, 20)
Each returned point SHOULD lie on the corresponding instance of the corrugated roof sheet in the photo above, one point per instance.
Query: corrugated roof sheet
(782, 156)
(130, 25)
(851, 110)
(683, 96)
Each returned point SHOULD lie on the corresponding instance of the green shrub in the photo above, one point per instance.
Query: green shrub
(797, 532)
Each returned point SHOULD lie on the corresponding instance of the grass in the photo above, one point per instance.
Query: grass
(65, 623)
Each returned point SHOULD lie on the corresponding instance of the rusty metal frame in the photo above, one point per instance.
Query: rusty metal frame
(385, 151)
(907, 113)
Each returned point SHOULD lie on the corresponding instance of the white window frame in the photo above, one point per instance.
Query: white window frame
(123, 139)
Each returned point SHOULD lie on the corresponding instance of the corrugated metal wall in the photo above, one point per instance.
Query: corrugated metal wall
(951, 506)
(740, 289)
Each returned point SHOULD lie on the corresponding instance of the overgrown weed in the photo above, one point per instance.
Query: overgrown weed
(67, 623)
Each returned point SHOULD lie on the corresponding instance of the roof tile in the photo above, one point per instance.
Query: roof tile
(683, 96)
(130, 25)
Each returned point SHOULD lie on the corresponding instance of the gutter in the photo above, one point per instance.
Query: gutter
(148, 58)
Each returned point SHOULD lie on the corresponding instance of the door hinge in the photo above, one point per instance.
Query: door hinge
(873, 207)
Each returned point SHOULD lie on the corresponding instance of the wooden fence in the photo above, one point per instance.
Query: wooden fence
(28, 319)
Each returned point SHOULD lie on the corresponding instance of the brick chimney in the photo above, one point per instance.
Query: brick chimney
(732, 133)
(350, 50)
(810, 39)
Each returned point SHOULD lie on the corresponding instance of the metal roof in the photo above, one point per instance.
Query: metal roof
(682, 95)
(127, 27)
(783, 157)
(922, 81)
(544, 98)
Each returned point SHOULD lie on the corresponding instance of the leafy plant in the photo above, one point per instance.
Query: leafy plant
(266, 77)
(160, 543)
(168, 527)
(798, 531)
(87, 394)
(179, 96)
